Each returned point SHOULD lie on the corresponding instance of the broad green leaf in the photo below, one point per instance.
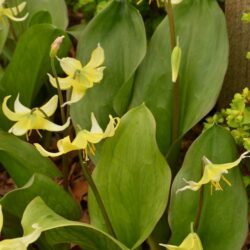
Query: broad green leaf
(39, 17)
(14, 202)
(133, 179)
(39, 214)
(29, 66)
(200, 26)
(222, 226)
(56, 8)
(22, 160)
(120, 31)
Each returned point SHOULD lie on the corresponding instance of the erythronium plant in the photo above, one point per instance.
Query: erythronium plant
(213, 173)
(12, 13)
(32, 119)
(80, 78)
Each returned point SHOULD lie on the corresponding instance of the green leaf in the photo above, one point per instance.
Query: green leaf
(133, 179)
(120, 31)
(22, 160)
(200, 26)
(62, 230)
(39, 17)
(56, 8)
(29, 66)
(222, 226)
(49, 191)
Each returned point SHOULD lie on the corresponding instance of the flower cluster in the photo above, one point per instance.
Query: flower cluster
(79, 79)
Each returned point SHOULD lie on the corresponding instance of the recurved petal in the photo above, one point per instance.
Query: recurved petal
(70, 65)
(78, 91)
(92, 75)
(21, 127)
(20, 108)
(2, 2)
(19, 8)
(95, 127)
(112, 126)
(64, 83)
(93, 137)
(97, 58)
(50, 107)
(42, 123)
(80, 140)
(8, 113)
(46, 153)
(7, 12)
(65, 145)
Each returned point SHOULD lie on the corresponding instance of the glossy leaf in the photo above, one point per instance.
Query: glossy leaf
(200, 26)
(133, 179)
(22, 160)
(40, 17)
(29, 66)
(120, 31)
(62, 230)
(221, 225)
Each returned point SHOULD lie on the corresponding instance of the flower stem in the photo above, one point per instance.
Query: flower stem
(59, 92)
(97, 195)
(176, 92)
(198, 214)
(65, 162)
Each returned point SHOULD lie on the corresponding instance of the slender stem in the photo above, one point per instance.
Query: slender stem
(12, 30)
(65, 161)
(176, 92)
(96, 193)
(58, 89)
(152, 244)
(198, 214)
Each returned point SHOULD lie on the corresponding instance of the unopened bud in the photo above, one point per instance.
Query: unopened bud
(175, 61)
(55, 46)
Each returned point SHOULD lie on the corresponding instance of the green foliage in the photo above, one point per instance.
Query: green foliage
(220, 220)
(159, 100)
(198, 86)
(236, 118)
(129, 161)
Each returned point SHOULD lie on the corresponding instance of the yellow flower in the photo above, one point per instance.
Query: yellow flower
(27, 119)
(80, 78)
(11, 13)
(213, 173)
(84, 139)
(20, 243)
(191, 242)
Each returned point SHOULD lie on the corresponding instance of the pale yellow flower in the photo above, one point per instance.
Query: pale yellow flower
(28, 119)
(84, 139)
(213, 173)
(80, 78)
(12, 13)
(191, 242)
(20, 243)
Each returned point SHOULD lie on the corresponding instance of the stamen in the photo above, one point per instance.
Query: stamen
(226, 180)
(38, 132)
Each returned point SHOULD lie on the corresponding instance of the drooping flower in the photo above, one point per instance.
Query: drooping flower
(28, 119)
(80, 78)
(213, 173)
(191, 242)
(12, 13)
(84, 139)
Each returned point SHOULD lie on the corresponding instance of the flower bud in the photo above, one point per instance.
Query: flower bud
(55, 46)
